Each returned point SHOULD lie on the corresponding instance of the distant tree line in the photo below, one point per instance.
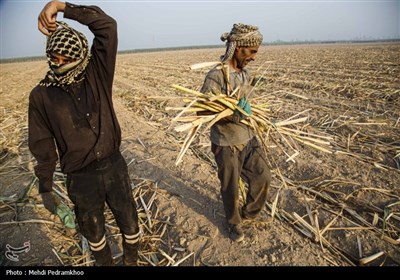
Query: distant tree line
(22, 59)
(169, 49)
(278, 42)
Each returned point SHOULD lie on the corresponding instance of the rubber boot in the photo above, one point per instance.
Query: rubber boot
(131, 256)
(103, 257)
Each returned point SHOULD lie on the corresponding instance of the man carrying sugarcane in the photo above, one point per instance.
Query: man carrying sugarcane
(71, 118)
(233, 143)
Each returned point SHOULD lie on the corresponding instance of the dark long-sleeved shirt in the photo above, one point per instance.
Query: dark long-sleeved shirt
(225, 132)
(77, 124)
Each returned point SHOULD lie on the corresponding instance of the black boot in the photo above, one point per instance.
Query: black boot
(103, 257)
(131, 256)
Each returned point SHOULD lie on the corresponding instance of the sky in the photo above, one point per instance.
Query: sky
(180, 23)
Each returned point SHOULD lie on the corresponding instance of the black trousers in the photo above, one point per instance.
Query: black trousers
(250, 164)
(105, 181)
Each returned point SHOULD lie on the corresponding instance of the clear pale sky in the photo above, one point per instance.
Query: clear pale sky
(159, 24)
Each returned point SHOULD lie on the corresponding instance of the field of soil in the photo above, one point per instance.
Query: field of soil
(324, 209)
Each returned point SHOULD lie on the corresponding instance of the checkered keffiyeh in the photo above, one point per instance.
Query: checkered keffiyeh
(66, 42)
(241, 35)
(71, 44)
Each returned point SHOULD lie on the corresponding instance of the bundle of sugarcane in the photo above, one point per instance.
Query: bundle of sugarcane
(205, 109)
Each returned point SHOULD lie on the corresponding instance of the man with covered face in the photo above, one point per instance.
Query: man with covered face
(236, 149)
(72, 119)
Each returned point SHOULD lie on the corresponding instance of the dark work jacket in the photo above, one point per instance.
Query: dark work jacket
(77, 123)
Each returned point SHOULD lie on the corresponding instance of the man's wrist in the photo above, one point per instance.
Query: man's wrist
(60, 6)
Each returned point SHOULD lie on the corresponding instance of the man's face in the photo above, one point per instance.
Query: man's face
(243, 55)
(59, 59)
(61, 64)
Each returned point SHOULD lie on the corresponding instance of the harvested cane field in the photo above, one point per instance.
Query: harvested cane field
(333, 147)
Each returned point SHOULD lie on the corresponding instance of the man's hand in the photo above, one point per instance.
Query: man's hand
(48, 16)
(51, 201)
(245, 105)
